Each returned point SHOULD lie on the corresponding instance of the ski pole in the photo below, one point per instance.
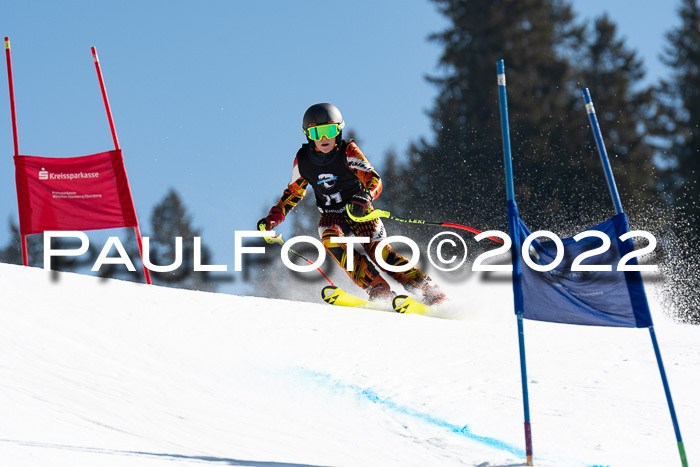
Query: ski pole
(278, 239)
(377, 213)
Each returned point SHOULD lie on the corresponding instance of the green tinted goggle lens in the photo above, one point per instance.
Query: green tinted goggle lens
(317, 132)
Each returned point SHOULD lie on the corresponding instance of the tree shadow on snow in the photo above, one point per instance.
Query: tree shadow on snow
(214, 460)
(486, 464)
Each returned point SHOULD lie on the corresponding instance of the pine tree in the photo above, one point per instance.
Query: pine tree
(169, 220)
(613, 73)
(12, 252)
(678, 123)
(549, 58)
(679, 118)
(460, 174)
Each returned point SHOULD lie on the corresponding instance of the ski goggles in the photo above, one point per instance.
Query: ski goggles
(317, 132)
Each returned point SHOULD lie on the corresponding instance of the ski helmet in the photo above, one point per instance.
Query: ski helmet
(323, 114)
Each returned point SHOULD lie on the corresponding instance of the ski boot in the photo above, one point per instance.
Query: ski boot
(432, 294)
(379, 290)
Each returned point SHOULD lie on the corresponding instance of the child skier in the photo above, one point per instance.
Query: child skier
(340, 175)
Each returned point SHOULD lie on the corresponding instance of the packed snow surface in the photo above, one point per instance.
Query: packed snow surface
(109, 373)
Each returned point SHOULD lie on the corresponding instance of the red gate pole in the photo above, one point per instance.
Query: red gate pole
(137, 230)
(12, 95)
(105, 98)
(15, 139)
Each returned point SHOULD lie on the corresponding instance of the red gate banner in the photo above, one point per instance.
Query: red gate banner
(73, 193)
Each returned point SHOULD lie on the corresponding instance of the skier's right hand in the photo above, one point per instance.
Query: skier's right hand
(360, 203)
(274, 218)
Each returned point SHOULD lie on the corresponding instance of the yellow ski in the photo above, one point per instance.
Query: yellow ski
(336, 296)
(401, 304)
(405, 304)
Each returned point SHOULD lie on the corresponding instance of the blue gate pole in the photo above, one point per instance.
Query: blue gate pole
(600, 144)
(590, 110)
(515, 252)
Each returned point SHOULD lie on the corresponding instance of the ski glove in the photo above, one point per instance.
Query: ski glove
(274, 218)
(360, 203)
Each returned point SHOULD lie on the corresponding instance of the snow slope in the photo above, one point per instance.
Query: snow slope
(109, 373)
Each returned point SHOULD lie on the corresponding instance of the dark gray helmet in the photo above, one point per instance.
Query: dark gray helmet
(322, 114)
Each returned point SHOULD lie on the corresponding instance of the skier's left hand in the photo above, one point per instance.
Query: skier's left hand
(360, 204)
(274, 218)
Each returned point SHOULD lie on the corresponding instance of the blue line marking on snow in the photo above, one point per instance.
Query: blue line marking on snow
(372, 396)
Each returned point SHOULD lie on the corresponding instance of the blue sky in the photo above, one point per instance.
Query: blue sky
(208, 96)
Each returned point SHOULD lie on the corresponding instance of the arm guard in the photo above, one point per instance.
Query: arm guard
(358, 163)
(295, 191)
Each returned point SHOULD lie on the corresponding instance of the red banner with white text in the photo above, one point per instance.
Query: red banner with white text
(73, 193)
